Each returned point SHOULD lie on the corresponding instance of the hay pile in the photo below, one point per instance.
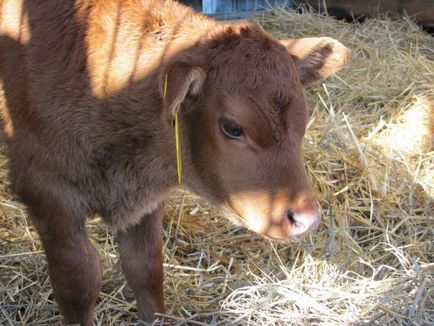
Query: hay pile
(369, 151)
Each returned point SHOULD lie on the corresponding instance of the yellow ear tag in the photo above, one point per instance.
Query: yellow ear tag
(177, 145)
(178, 149)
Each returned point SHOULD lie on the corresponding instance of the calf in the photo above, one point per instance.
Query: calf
(92, 88)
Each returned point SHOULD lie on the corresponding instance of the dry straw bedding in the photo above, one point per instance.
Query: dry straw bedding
(369, 151)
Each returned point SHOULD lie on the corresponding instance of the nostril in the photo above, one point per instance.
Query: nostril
(290, 216)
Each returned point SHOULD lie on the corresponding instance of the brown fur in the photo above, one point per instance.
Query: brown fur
(89, 132)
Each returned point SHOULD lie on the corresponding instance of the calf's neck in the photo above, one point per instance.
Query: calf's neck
(91, 90)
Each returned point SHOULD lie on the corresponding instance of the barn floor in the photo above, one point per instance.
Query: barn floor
(369, 152)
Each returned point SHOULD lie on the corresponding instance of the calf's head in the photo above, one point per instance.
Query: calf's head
(243, 116)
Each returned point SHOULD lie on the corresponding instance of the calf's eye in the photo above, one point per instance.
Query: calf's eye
(230, 129)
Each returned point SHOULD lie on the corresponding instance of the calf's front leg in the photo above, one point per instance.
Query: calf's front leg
(73, 262)
(140, 249)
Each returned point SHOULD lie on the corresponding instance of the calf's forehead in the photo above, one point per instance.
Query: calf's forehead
(255, 78)
(255, 64)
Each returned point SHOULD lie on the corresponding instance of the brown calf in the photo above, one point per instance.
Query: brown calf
(89, 130)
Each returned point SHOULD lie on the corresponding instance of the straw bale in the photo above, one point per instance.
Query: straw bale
(369, 152)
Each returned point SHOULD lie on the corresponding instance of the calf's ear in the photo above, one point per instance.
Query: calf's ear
(316, 58)
(179, 82)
